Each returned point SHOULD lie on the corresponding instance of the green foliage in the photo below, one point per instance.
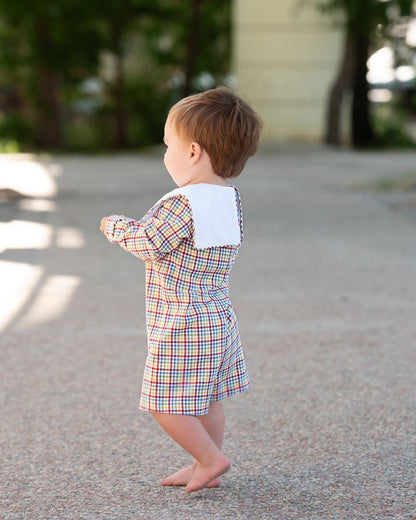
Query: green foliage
(9, 146)
(49, 34)
(150, 104)
(390, 127)
(368, 24)
(16, 128)
(49, 49)
(166, 41)
(362, 16)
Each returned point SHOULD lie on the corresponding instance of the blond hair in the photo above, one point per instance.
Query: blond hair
(222, 124)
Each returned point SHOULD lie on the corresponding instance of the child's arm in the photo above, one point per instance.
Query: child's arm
(155, 237)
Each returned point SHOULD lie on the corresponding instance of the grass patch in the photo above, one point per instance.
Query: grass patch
(9, 146)
(405, 183)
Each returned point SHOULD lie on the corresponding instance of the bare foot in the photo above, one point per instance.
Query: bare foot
(183, 476)
(180, 478)
(205, 475)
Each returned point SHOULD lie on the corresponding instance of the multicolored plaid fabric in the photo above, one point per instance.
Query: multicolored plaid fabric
(194, 349)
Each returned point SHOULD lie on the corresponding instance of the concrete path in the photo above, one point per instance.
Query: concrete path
(325, 291)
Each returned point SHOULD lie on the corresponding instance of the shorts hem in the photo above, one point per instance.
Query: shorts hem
(202, 411)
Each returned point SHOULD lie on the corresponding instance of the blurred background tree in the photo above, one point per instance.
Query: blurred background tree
(367, 23)
(99, 75)
(44, 50)
(102, 74)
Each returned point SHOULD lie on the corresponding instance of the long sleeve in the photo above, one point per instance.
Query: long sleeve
(152, 238)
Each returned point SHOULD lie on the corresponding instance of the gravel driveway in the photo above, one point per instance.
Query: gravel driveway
(325, 292)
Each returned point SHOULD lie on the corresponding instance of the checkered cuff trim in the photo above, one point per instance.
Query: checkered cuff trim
(115, 228)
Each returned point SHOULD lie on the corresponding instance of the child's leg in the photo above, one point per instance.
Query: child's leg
(189, 433)
(214, 423)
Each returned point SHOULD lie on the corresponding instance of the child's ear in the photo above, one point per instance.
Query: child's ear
(195, 152)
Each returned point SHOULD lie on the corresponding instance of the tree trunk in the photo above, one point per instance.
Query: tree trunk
(121, 139)
(121, 117)
(341, 85)
(50, 114)
(192, 46)
(50, 124)
(361, 125)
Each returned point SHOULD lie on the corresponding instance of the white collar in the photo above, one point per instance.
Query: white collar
(214, 212)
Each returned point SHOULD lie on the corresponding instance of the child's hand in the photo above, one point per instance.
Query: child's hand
(103, 224)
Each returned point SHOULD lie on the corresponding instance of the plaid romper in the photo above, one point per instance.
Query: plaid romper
(194, 350)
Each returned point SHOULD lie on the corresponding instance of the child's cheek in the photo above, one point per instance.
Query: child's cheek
(166, 160)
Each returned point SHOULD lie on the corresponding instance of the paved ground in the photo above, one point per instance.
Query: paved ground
(325, 292)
